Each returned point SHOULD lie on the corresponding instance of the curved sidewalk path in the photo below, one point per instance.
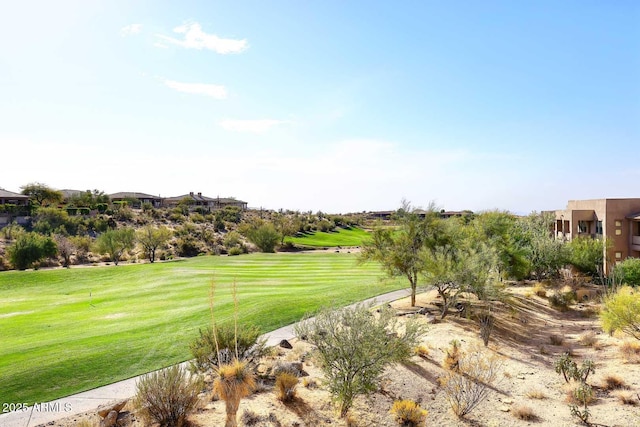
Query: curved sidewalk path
(44, 413)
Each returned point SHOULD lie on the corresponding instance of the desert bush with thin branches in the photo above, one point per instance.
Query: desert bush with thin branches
(167, 396)
(469, 386)
(354, 346)
(630, 351)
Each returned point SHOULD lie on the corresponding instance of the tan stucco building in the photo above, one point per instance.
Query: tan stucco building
(616, 219)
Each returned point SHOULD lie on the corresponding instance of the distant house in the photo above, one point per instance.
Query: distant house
(127, 196)
(11, 198)
(210, 203)
(13, 206)
(615, 219)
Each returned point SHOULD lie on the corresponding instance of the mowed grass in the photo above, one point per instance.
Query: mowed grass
(341, 237)
(68, 330)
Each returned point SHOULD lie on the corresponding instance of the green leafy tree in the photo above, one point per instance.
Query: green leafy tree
(30, 248)
(355, 347)
(621, 312)
(42, 195)
(546, 254)
(116, 242)
(587, 255)
(401, 251)
(151, 239)
(89, 199)
(500, 231)
(628, 271)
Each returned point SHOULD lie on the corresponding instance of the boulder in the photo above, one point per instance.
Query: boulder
(285, 344)
(110, 419)
(103, 411)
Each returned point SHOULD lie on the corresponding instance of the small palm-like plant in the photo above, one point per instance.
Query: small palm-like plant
(234, 382)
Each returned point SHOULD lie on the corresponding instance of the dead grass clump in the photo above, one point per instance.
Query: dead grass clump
(536, 394)
(626, 398)
(613, 382)
(555, 339)
(408, 413)
(560, 301)
(524, 413)
(630, 351)
(588, 339)
(422, 351)
(250, 418)
(309, 382)
(286, 386)
(539, 290)
(543, 350)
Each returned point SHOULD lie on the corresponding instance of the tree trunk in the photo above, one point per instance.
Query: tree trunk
(232, 409)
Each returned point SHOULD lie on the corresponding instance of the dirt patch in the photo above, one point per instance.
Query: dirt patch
(522, 338)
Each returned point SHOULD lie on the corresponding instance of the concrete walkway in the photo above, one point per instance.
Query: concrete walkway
(43, 413)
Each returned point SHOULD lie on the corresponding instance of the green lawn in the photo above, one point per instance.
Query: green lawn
(68, 330)
(341, 237)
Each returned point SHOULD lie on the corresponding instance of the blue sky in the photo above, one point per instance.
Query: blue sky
(338, 106)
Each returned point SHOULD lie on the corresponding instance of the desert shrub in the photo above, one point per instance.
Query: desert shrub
(235, 381)
(236, 251)
(569, 369)
(167, 396)
(539, 290)
(196, 218)
(82, 245)
(286, 384)
(264, 236)
(621, 312)
(626, 397)
(613, 382)
(536, 394)
(354, 346)
(30, 248)
(250, 418)
(556, 339)
(560, 301)
(589, 339)
(628, 271)
(630, 351)
(524, 413)
(250, 346)
(582, 395)
(574, 394)
(452, 356)
(232, 239)
(408, 413)
(189, 246)
(466, 388)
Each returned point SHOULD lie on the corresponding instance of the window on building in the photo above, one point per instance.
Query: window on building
(618, 232)
(582, 227)
(618, 223)
(599, 227)
(618, 255)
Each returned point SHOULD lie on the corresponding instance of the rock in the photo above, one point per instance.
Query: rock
(520, 377)
(431, 319)
(110, 419)
(285, 344)
(294, 368)
(507, 401)
(504, 408)
(105, 410)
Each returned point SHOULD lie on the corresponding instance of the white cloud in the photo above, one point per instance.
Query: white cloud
(195, 38)
(253, 126)
(214, 91)
(131, 29)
